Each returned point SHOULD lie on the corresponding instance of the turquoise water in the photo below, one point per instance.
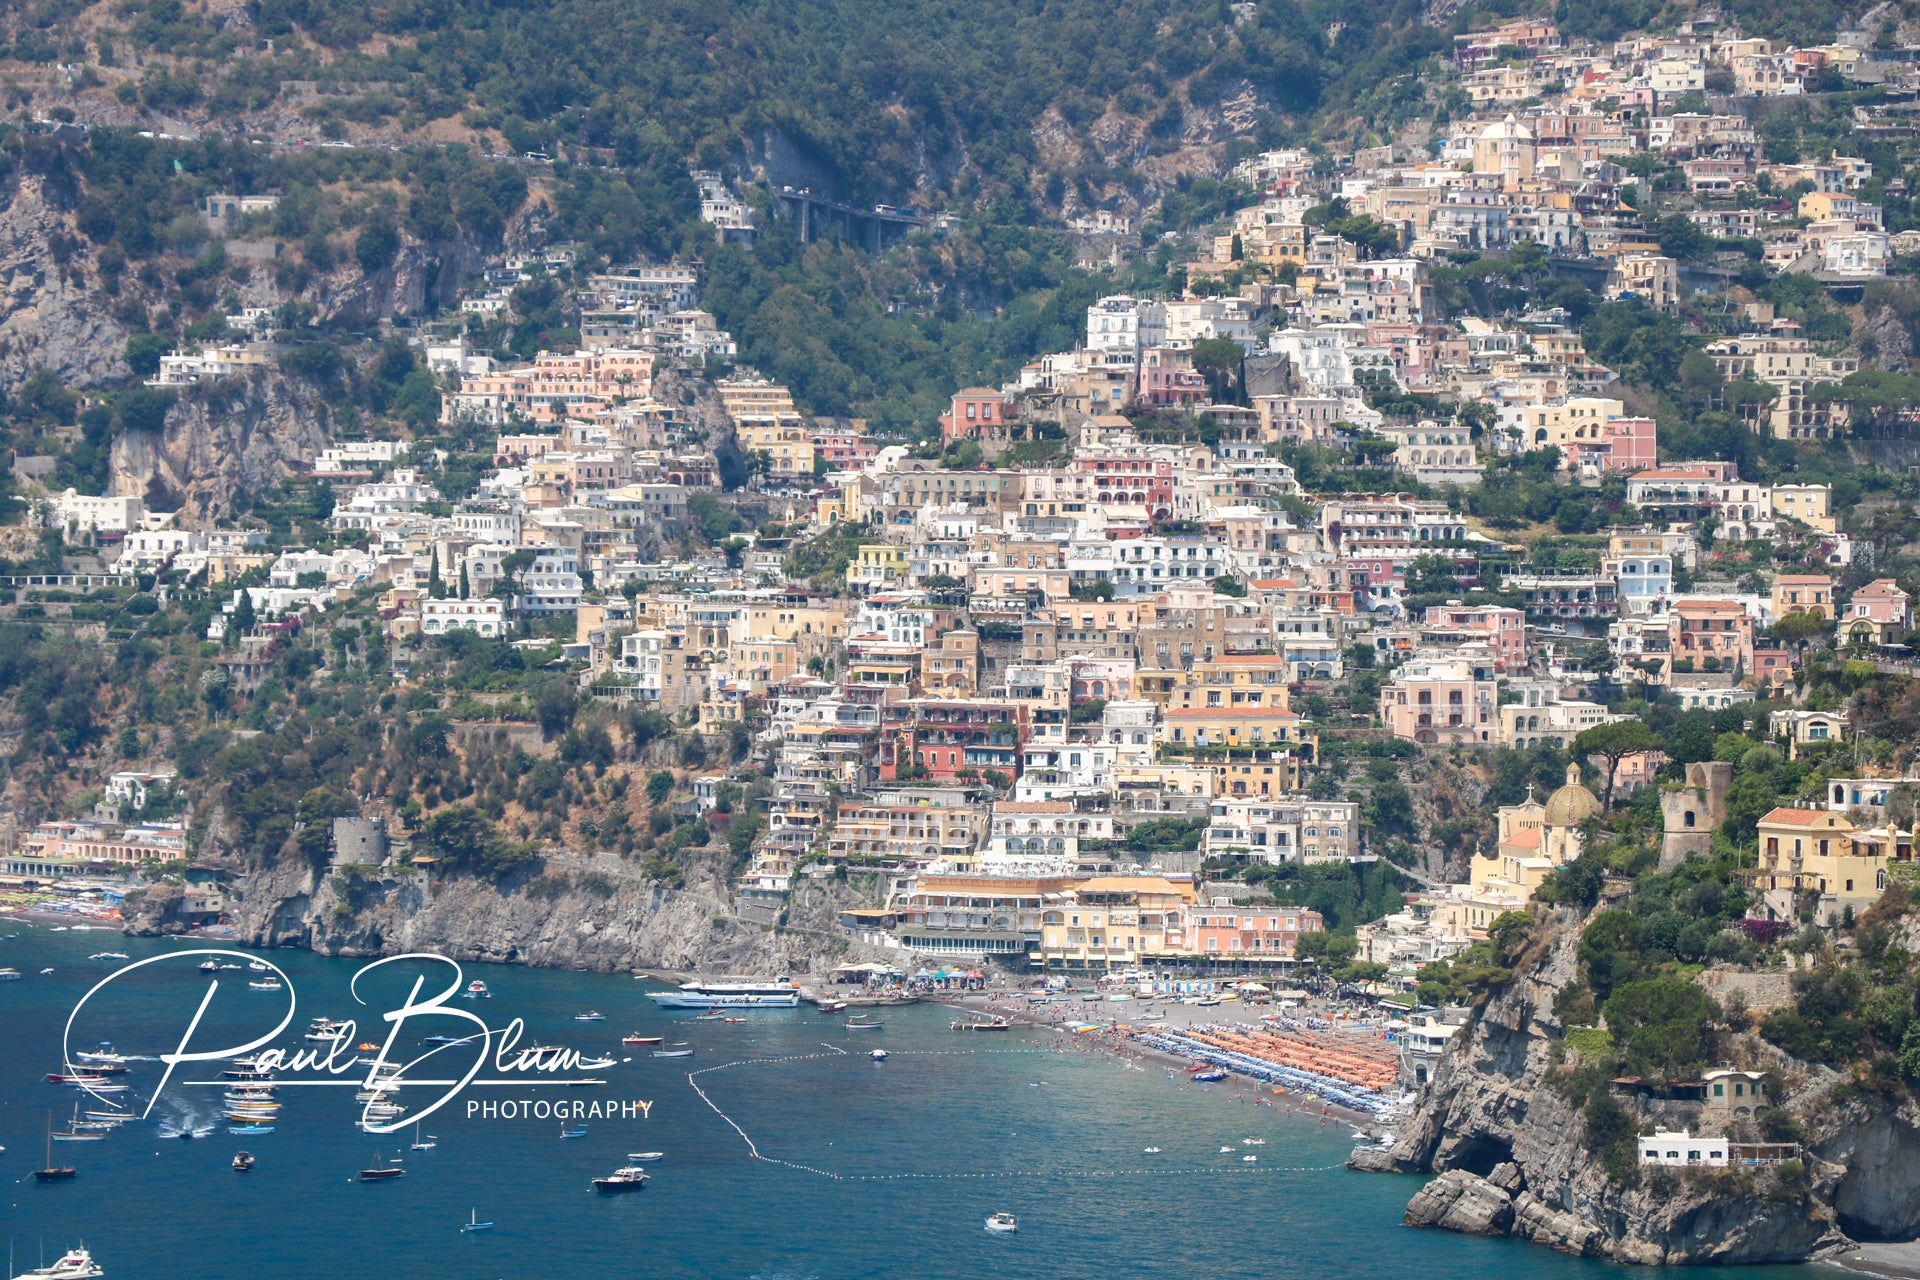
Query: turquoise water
(913, 1152)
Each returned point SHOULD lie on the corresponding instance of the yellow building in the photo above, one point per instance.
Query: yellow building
(878, 567)
(1810, 504)
(1251, 750)
(1116, 922)
(1803, 593)
(1813, 853)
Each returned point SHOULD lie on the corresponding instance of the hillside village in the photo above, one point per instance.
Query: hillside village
(1165, 622)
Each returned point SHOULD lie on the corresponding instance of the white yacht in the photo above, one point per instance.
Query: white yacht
(78, 1264)
(729, 995)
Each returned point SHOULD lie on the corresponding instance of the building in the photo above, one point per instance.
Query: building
(1803, 593)
(1877, 614)
(1448, 701)
(482, 617)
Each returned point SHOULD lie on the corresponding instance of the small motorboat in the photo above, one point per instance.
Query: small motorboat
(581, 1132)
(1152, 1151)
(1002, 1223)
(45, 971)
(1226, 1151)
(591, 1015)
(477, 990)
(257, 966)
(226, 967)
(242, 1162)
(439, 1040)
(878, 1055)
(271, 984)
(644, 1157)
(246, 1130)
(210, 965)
(711, 1015)
(108, 955)
(629, 1178)
(637, 1038)
(1253, 1142)
(861, 1022)
(996, 1023)
(833, 1006)
(673, 1053)
(1249, 1159)
(473, 1222)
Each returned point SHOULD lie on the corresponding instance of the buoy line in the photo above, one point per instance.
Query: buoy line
(754, 1152)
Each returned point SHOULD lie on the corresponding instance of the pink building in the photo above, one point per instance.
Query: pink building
(1168, 379)
(974, 410)
(1251, 933)
(1710, 635)
(1501, 629)
(1878, 613)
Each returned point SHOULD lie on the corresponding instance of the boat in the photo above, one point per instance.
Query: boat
(581, 1132)
(210, 965)
(442, 1040)
(52, 1172)
(74, 1133)
(108, 955)
(996, 1023)
(187, 1133)
(258, 966)
(428, 1144)
(112, 1117)
(225, 967)
(242, 1130)
(381, 1172)
(591, 1015)
(1253, 1142)
(878, 1055)
(103, 1055)
(473, 1222)
(1003, 1223)
(637, 1038)
(731, 995)
(76, 1264)
(1152, 1151)
(861, 1022)
(9, 975)
(628, 1178)
(271, 984)
(1249, 1159)
(46, 970)
(832, 1006)
(711, 1015)
(644, 1157)
(585, 1082)
(673, 1053)
(1226, 1151)
(242, 1162)
(476, 990)
(325, 1030)
(87, 1078)
(1209, 1077)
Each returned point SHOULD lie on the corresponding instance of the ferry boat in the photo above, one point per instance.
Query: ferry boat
(729, 995)
(78, 1264)
(628, 1178)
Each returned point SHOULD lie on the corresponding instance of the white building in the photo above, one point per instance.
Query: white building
(483, 617)
(1683, 1149)
(75, 513)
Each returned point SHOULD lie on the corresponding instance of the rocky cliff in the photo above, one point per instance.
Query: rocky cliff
(52, 315)
(241, 434)
(1510, 1150)
(581, 912)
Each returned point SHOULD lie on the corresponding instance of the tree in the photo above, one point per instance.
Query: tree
(659, 787)
(1616, 741)
(1219, 359)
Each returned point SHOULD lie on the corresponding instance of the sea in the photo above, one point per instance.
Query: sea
(864, 1168)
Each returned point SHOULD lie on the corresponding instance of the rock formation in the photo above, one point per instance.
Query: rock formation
(1511, 1153)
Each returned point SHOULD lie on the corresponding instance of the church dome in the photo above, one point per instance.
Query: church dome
(1572, 804)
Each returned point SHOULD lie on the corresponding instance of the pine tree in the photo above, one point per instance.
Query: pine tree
(433, 577)
(463, 580)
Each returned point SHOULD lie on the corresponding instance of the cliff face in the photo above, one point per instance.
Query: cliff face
(1512, 1159)
(584, 913)
(51, 315)
(241, 434)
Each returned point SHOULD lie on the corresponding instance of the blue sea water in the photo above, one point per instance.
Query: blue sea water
(901, 1160)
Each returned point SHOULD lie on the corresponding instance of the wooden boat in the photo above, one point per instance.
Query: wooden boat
(381, 1172)
(636, 1038)
(52, 1172)
(673, 1053)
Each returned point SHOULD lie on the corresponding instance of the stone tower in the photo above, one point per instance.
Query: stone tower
(1690, 813)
